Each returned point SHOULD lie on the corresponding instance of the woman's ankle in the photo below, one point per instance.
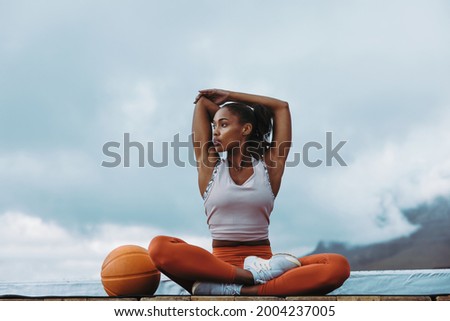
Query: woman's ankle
(250, 290)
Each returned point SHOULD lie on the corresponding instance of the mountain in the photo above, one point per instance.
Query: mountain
(427, 248)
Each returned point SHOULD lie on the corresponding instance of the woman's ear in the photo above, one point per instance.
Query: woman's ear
(247, 129)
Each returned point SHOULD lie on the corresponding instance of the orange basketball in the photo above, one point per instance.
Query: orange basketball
(129, 271)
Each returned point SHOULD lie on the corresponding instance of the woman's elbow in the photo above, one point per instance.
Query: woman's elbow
(284, 104)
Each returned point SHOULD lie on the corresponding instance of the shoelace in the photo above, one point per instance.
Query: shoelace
(230, 289)
(261, 265)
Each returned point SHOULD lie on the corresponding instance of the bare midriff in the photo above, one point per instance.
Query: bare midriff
(225, 243)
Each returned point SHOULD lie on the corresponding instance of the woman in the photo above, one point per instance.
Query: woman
(239, 193)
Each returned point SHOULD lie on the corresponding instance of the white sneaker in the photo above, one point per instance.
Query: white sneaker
(206, 288)
(266, 270)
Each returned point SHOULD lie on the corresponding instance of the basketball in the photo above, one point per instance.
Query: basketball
(129, 271)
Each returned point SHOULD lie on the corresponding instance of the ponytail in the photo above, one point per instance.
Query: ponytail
(263, 125)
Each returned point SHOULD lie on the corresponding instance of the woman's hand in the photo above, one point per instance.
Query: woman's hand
(217, 96)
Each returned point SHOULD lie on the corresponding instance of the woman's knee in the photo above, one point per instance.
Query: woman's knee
(159, 249)
(344, 266)
(333, 273)
(340, 268)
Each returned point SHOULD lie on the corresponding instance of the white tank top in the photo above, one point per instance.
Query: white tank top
(239, 212)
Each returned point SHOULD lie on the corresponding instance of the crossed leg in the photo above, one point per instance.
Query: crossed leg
(185, 264)
(318, 274)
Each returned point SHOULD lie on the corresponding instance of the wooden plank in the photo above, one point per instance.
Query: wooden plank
(384, 298)
(358, 298)
(405, 298)
(312, 298)
(212, 298)
(259, 298)
(111, 299)
(443, 298)
(167, 298)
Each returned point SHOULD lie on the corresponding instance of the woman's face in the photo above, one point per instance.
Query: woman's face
(228, 133)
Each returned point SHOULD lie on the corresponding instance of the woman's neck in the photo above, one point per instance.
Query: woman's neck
(238, 160)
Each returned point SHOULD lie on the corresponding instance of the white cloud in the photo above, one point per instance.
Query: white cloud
(37, 250)
(25, 230)
(47, 169)
(363, 202)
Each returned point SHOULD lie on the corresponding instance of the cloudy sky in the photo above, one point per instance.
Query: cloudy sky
(75, 75)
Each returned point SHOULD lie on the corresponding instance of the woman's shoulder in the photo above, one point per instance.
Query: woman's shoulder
(218, 167)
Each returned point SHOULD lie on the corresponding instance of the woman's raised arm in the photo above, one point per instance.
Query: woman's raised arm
(282, 127)
(205, 153)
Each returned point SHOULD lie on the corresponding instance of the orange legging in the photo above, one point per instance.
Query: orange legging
(185, 264)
